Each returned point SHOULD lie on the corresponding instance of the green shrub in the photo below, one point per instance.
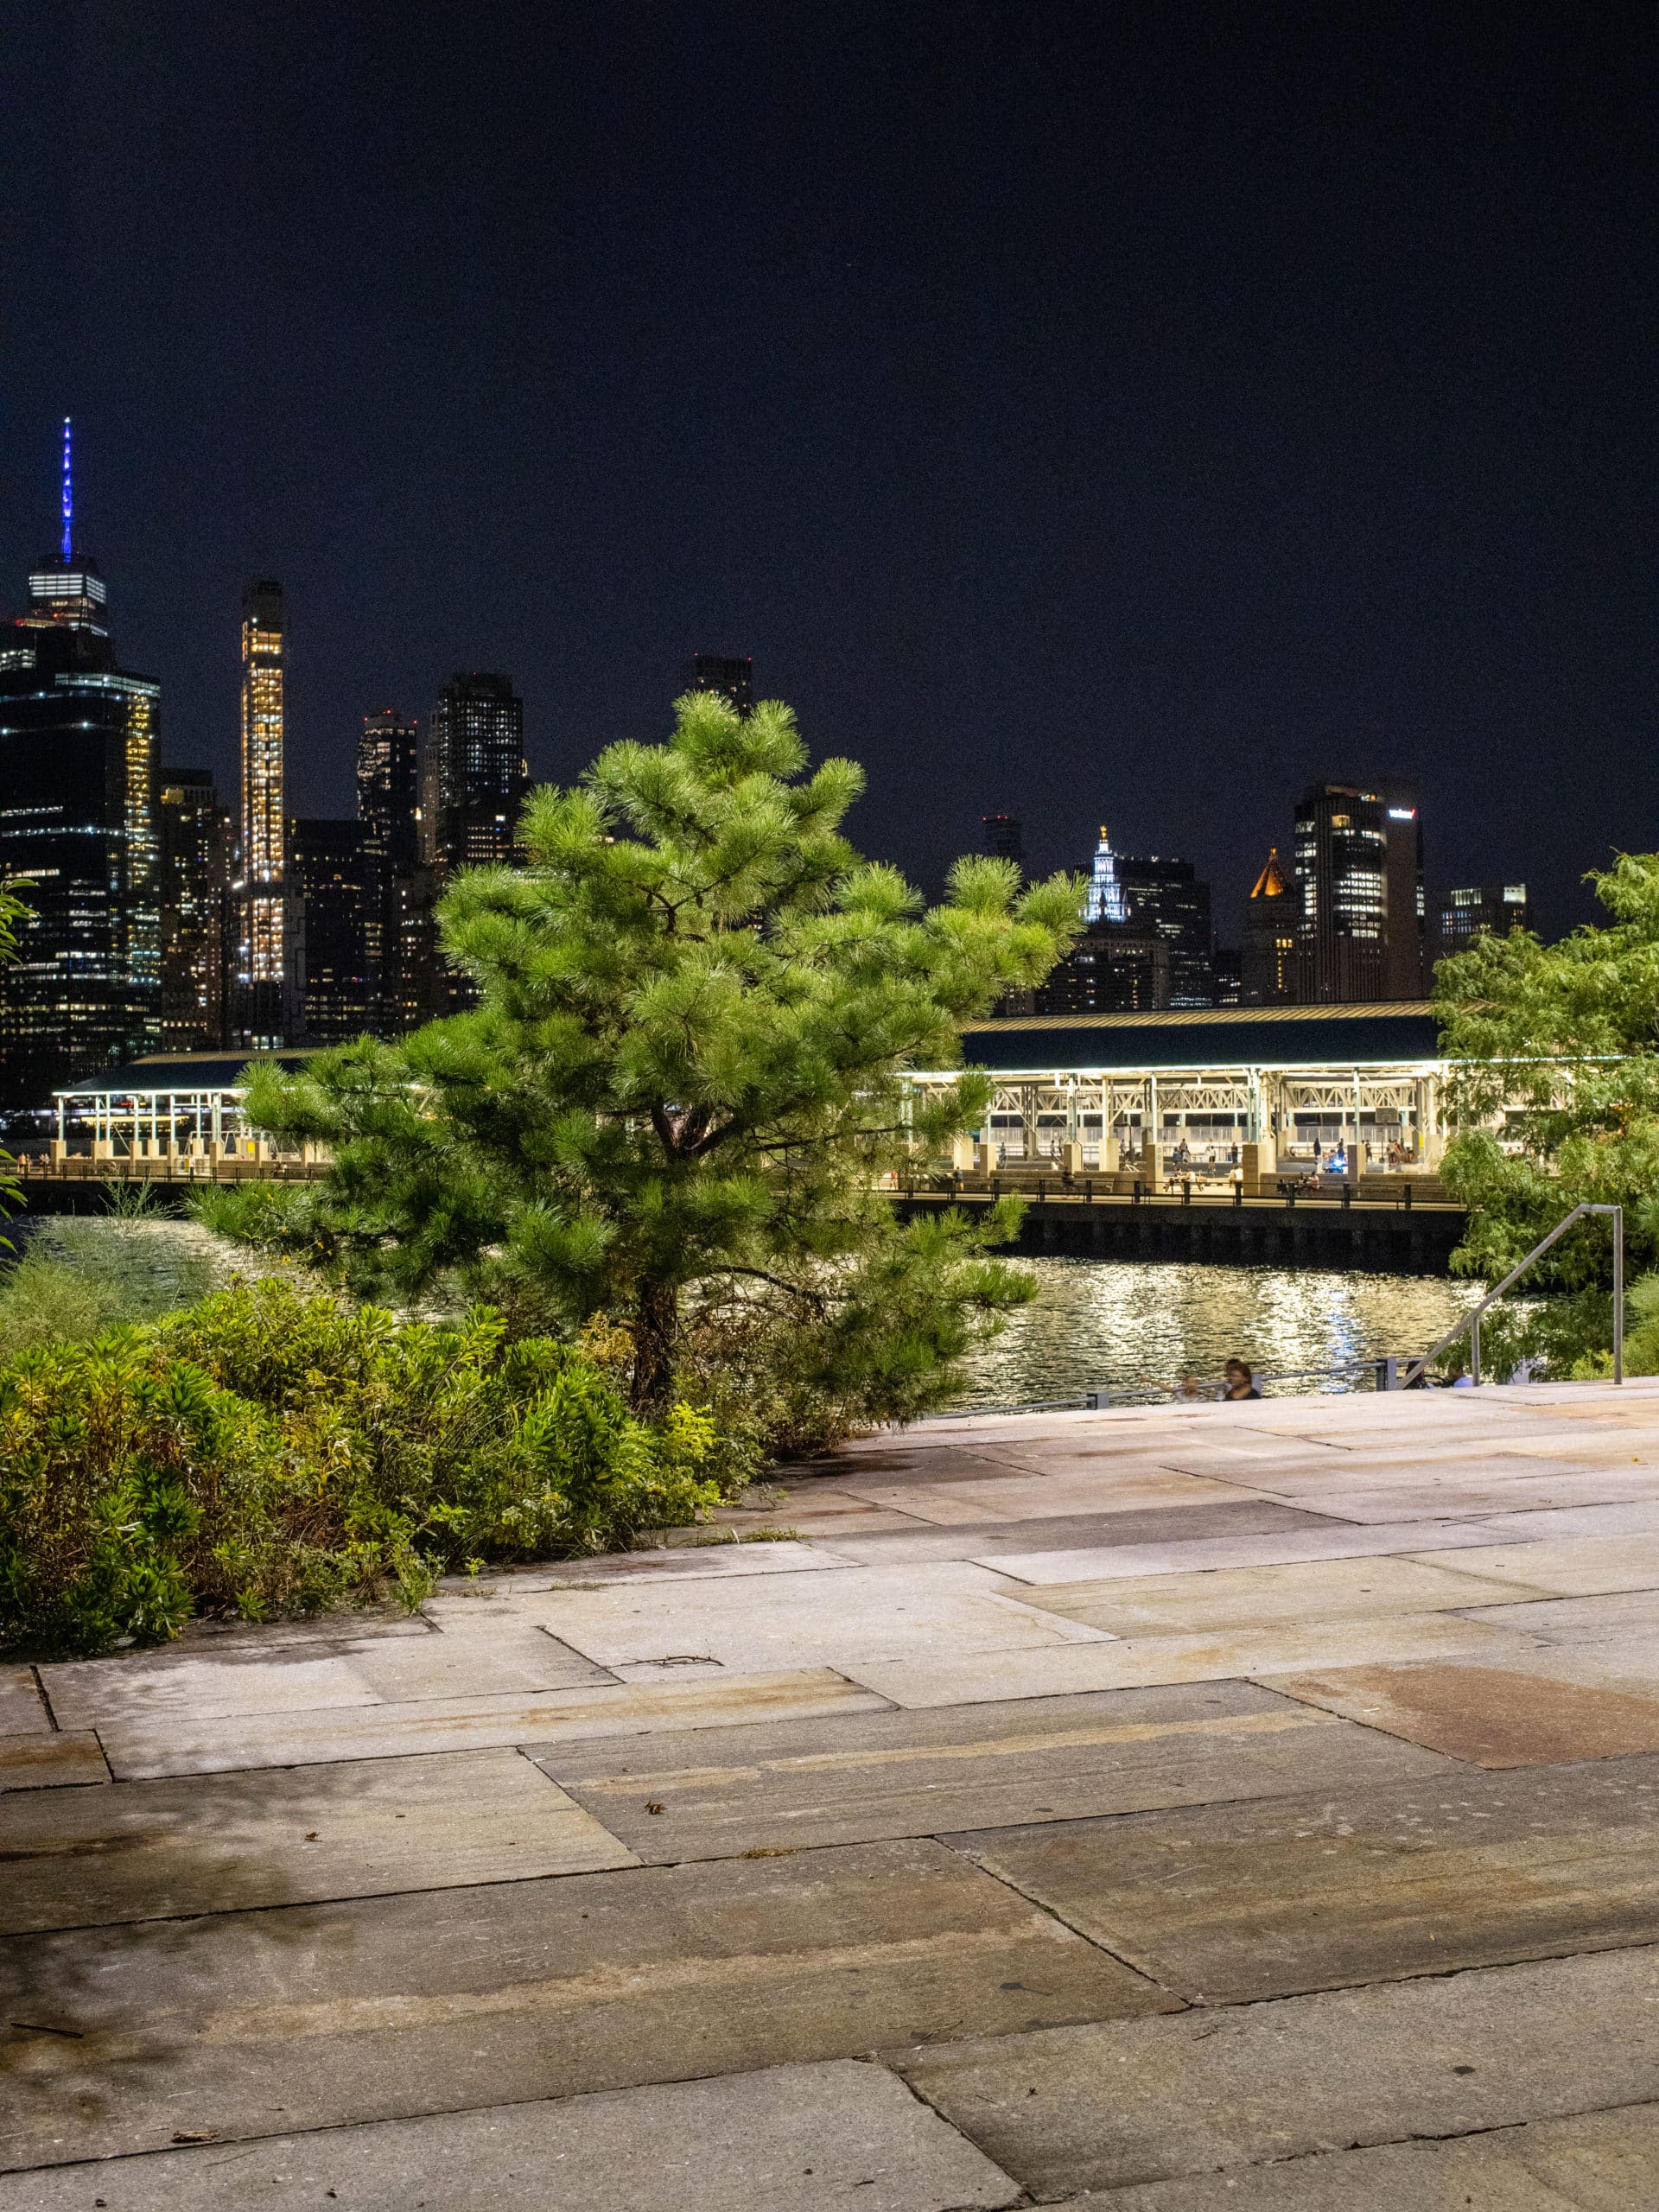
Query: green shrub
(272, 1450)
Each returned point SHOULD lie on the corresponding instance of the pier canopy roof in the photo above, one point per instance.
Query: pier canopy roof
(177, 1075)
(1392, 1033)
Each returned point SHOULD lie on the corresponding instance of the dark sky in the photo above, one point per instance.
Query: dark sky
(1116, 413)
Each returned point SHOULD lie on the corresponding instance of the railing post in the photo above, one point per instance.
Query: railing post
(1619, 1293)
(1474, 1349)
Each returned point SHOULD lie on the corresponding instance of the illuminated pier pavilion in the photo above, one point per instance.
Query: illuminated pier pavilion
(1184, 1134)
(1283, 1080)
(1198, 1134)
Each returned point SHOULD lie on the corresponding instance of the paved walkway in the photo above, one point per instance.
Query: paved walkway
(1224, 1807)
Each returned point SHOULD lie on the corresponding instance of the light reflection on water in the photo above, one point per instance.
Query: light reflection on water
(1120, 1322)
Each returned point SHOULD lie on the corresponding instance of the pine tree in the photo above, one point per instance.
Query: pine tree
(683, 1085)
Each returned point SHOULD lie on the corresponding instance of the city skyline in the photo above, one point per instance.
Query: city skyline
(1098, 410)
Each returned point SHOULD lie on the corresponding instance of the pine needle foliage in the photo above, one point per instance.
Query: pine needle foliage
(684, 1080)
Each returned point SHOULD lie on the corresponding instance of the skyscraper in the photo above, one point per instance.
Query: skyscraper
(474, 780)
(336, 878)
(195, 902)
(1268, 976)
(1167, 896)
(731, 674)
(262, 1013)
(1405, 962)
(78, 742)
(388, 784)
(1105, 902)
(1114, 968)
(1342, 851)
(1478, 910)
(388, 807)
(1359, 894)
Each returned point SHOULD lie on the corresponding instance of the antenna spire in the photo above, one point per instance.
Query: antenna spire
(69, 498)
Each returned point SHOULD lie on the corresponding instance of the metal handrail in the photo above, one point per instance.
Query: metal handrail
(1415, 1369)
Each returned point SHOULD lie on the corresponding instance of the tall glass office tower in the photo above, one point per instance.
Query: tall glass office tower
(78, 746)
(475, 781)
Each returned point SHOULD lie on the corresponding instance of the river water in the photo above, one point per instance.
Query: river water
(1104, 1323)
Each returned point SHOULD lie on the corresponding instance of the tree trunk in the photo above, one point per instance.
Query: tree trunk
(656, 1323)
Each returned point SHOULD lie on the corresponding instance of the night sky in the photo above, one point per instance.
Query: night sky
(1117, 413)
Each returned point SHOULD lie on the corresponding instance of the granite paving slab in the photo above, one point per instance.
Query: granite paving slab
(969, 1678)
(1616, 1614)
(986, 1544)
(1421, 1471)
(806, 1620)
(1319, 1537)
(1524, 1712)
(145, 1751)
(22, 1712)
(795, 2139)
(1571, 1566)
(51, 1761)
(1633, 1516)
(1452, 1500)
(702, 1562)
(1229, 1902)
(1253, 1597)
(145, 1849)
(1041, 1496)
(254, 2023)
(460, 1664)
(1406, 2177)
(153, 1685)
(1108, 2107)
(912, 1774)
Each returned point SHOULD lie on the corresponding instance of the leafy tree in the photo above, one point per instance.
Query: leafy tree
(1559, 1044)
(683, 1084)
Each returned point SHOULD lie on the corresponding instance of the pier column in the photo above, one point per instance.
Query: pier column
(1258, 1164)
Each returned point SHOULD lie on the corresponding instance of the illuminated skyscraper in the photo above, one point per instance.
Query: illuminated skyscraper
(1478, 910)
(406, 967)
(1270, 969)
(1168, 897)
(389, 784)
(1105, 902)
(475, 781)
(262, 1012)
(1342, 856)
(337, 877)
(195, 847)
(78, 742)
(1360, 917)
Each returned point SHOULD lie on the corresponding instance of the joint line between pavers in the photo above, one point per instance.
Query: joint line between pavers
(53, 1724)
(1051, 1912)
(1022, 2197)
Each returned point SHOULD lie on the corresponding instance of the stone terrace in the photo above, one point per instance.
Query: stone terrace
(1224, 1807)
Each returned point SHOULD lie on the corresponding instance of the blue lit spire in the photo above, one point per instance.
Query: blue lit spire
(68, 500)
